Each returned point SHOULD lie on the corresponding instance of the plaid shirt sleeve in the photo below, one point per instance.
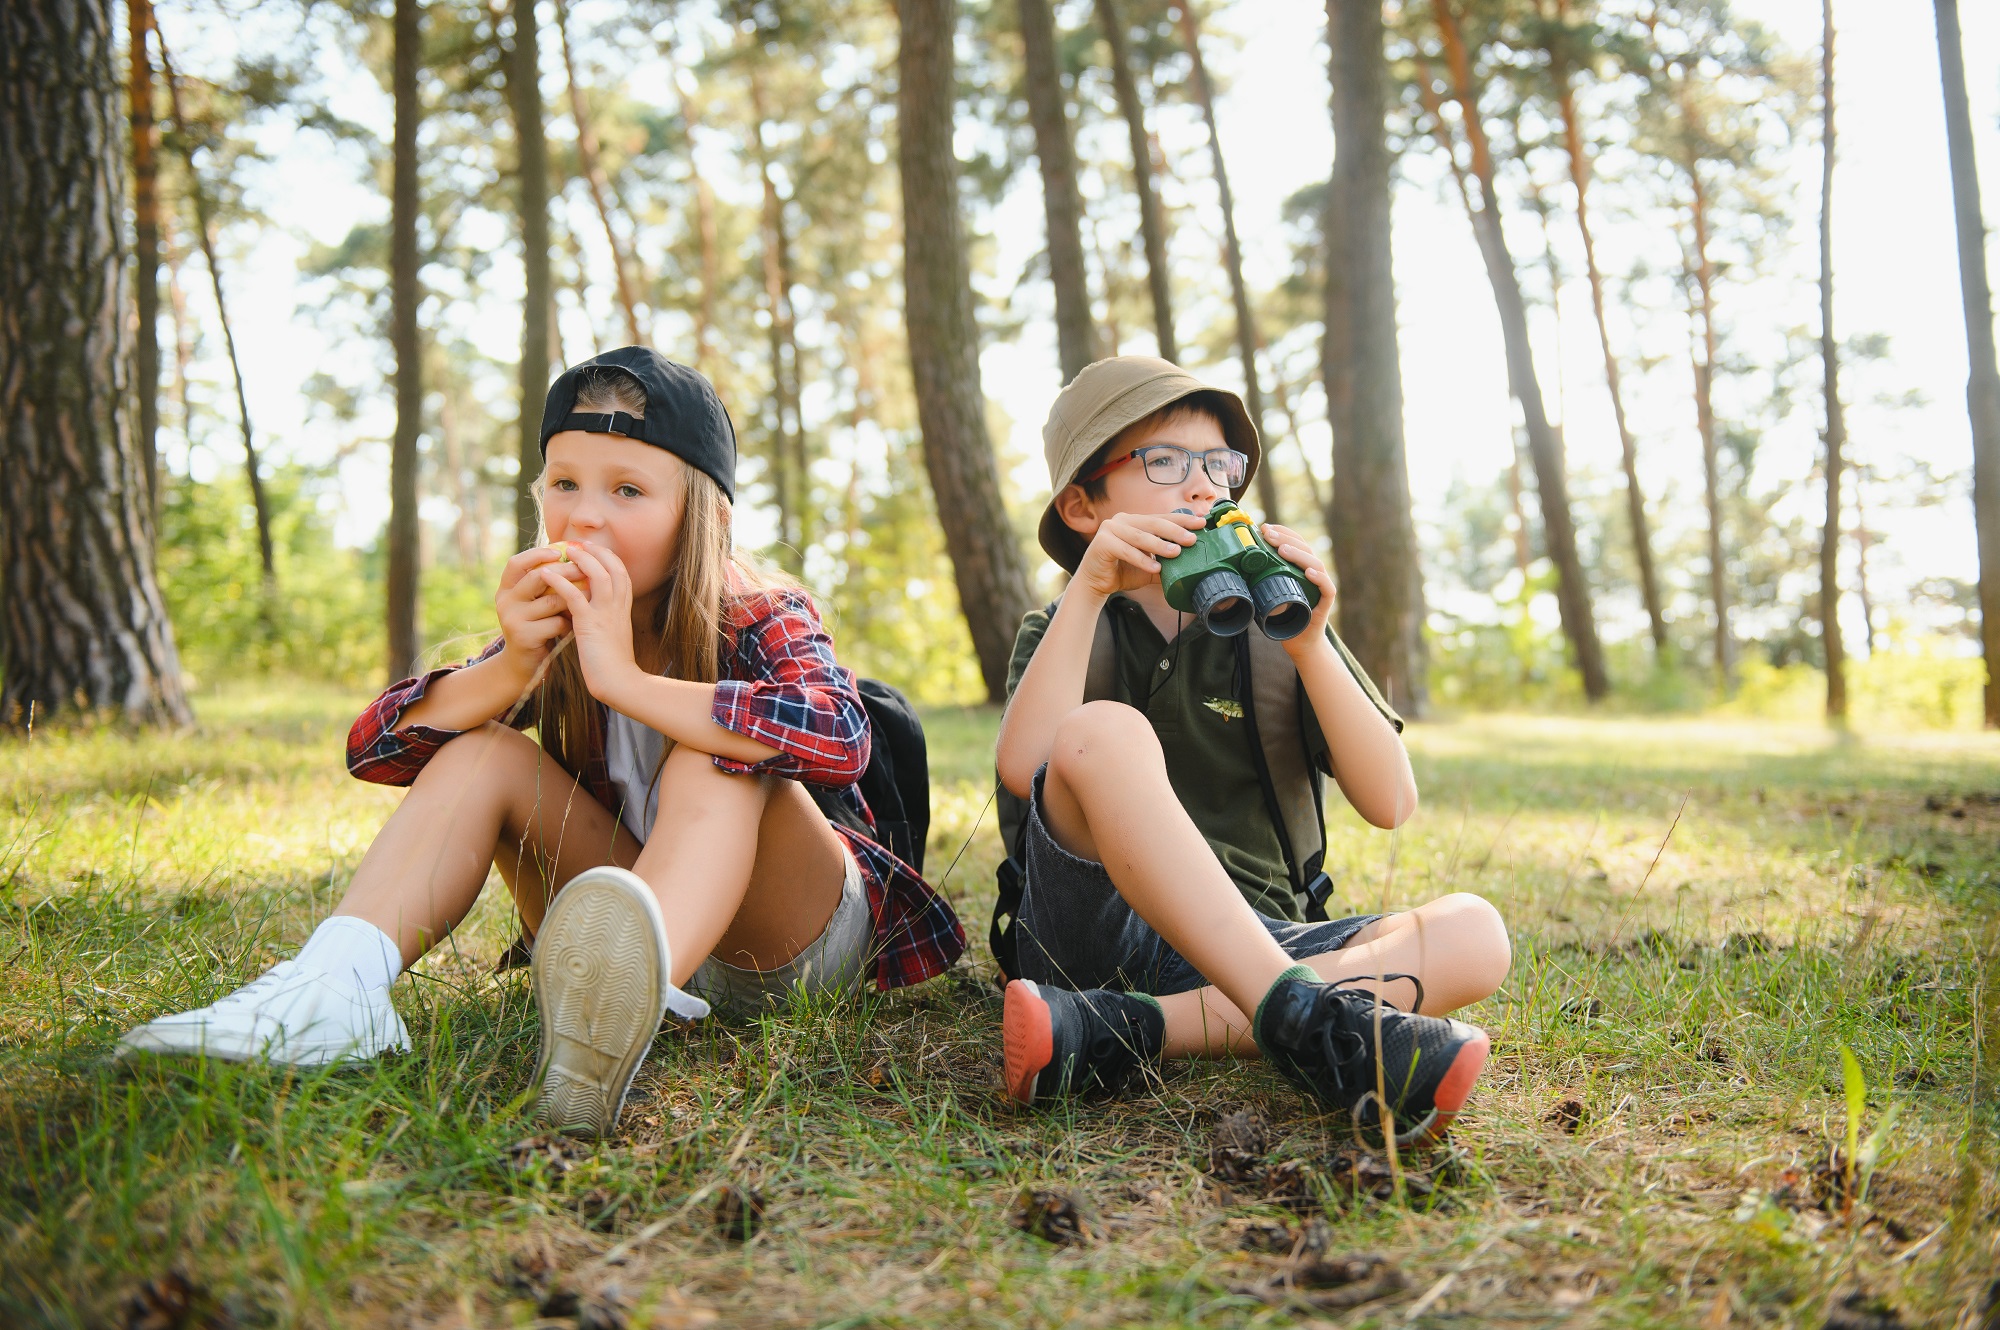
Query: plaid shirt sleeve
(378, 751)
(784, 689)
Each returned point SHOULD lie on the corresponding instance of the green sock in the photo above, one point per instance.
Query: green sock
(1303, 972)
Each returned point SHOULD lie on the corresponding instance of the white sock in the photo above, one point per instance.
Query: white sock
(345, 946)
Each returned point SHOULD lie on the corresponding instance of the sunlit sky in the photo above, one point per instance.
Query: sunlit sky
(1895, 263)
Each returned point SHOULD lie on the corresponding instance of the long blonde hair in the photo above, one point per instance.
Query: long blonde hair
(692, 622)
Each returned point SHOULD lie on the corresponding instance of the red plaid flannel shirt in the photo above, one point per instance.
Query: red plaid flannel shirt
(782, 687)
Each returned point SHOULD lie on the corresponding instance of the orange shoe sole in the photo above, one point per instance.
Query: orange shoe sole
(1028, 1036)
(1452, 1091)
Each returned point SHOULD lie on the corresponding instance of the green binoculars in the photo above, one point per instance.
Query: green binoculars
(1231, 575)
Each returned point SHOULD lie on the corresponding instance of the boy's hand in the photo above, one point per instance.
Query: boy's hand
(1126, 551)
(601, 610)
(1294, 549)
(532, 617)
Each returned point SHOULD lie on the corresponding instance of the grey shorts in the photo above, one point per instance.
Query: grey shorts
(832, 966)
(1075, 931)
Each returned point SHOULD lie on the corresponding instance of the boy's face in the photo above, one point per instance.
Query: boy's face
(1127, 490)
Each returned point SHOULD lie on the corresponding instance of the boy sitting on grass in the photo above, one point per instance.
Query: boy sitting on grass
(1157, 917)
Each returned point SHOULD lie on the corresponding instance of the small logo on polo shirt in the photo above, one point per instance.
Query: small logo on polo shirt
(1225, 707)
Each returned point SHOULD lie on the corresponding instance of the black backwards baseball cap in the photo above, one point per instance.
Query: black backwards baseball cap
(683, 414)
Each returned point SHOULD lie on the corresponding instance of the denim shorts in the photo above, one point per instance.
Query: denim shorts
(1075, 931)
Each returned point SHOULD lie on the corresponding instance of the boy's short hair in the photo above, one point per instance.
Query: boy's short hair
(1102, 405)
(1204, 403)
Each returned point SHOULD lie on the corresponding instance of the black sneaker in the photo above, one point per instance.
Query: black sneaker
(1058, 1042)
(1322, 1038)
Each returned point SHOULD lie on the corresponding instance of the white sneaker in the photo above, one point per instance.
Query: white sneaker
(291, 1014)
(603, 979)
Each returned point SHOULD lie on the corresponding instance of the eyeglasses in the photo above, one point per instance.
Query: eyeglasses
(1169, 464)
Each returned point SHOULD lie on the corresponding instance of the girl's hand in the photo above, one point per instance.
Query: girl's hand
(1294, 549)
(1126, 551)
(532, 617)
(599, 604)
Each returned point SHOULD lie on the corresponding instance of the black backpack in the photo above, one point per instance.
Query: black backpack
(897, 783)
(1293, 785)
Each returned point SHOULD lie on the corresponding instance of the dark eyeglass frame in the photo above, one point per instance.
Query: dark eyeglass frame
(1188, 456)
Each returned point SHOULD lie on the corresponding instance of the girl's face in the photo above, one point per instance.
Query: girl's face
(621, 494)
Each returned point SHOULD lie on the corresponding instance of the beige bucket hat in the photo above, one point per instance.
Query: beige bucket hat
(1106, 398)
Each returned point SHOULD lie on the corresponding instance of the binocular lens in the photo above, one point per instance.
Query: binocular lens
(1281, 608)
(1222, 602)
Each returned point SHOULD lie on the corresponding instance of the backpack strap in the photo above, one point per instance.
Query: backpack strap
(1294, 790)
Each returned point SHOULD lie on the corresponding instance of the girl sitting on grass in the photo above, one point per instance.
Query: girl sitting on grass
(664, 797)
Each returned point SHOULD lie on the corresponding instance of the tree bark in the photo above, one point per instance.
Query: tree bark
(788, 437)
(524, 90)
(944, 345)
(1635, 497)
(1982, 392)
(204, 226)
(403, 297)
(1544, 448)
(1836, 422)
(1374, 538)
(146, 247)
(82, 623)
(593, 175)
(1062, 201)
(1232, 254)
(1704, 415)
(1152, 223)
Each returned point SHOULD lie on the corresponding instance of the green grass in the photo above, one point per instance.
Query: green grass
(1681, 999)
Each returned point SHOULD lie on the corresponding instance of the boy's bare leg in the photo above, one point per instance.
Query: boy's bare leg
(745, 867)
(1456, 945)
(1106, 797)
(489, 797)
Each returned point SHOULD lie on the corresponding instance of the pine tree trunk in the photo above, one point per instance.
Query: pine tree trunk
(1544, 448)
(1836, 423)
(1152, 223)
(204, 225)
(1232, 255)
(1983, 390)
(1628, 445)
(403, 297)
(146, 247)
(1062, 202)
(1704, 416)
(787, 437)
(1374, 539)
(944, 344)
(593, 175)
(82, 624)
(524, 95)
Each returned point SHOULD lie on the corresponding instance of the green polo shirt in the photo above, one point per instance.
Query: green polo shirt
(1188, 689)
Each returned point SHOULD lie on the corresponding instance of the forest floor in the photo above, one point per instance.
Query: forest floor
(1704, 915)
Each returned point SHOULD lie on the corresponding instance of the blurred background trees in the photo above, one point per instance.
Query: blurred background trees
(806, 202)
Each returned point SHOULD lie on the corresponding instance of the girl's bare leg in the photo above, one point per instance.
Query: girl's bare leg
(1456, 945)
(489, 797)
(745, 867)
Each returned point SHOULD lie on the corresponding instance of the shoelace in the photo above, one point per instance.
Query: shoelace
(1415, 982)
(261, 984)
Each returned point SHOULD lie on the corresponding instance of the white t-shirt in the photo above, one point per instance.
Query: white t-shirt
(632, 754)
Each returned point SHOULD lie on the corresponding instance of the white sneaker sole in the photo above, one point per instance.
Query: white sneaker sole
(601, 976)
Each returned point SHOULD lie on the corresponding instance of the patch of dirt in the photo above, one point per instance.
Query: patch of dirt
(1319, 1282)
(173, 1301)
(1567, 1115)
(1862, 1311)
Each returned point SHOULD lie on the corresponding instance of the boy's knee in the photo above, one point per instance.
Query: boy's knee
(1096, 733)
(1490, 952)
